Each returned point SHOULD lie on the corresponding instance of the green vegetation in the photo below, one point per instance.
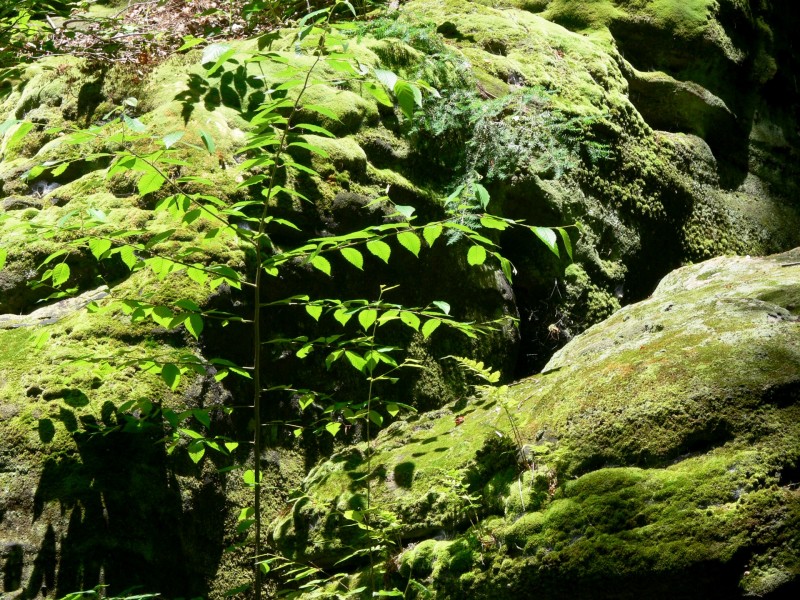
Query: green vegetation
(188, 225)
(240, 266)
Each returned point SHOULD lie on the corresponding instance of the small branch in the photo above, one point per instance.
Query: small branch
(134, 5)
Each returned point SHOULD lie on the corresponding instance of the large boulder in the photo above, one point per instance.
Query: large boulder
(657, 455)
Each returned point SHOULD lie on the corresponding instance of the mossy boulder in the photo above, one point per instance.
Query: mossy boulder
(673, 127)
(656, 455)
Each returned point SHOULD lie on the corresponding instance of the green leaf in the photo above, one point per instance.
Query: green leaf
(314, 310)
(482, 194)
(40, 339)
(321, 263)
(20, 132)
(208, 141)
(306, 401)
(343, 315)
(202, 416)
(354, 257)
(476, 255)
(442, 306)
(221, 60)
(59, 170)
(312, 16)
(97, 215)
(567, 241)
(99, 247)
(314, 128)
(3, 254)
(406, 211)
(190, 41)
(172, 138)
(194, 325)
(163, 316)
(149, 182)
(491, 222)
(429, 327)
(196, 451)
(128, 257)
(197, 275)
(249, 477)
(409, 97)
(356, 360)
(213, 52)
(333, 428)
(34, 173)
(410, 319)
(322, 110)
(159, 237)
(51, 257)
(410, 241)
(387, 78)
(311, 148)
(392, 409)
(60, 274)
(7, 124)
(548, 236)
(378, 93)
(134, 124)
(171, 375)
(380, 249)
(376, 417)
(354, 515)
(367, 317)
(431, 233)
(507, 267)
(389, 315)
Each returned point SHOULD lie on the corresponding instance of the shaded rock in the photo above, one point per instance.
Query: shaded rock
(17, 203)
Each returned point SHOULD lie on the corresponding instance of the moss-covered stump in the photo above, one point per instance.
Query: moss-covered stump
(656, 456)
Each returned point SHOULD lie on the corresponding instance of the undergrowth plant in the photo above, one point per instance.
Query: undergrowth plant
(278, 128)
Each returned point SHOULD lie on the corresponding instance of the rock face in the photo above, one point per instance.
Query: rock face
(658, 451)
(657, 455)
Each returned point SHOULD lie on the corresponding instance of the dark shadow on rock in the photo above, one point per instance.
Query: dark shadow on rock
(12, 567)
(46, 430)
(127, 521)
(43, 577)
(90, 95)
(233, 88)
(404, 474)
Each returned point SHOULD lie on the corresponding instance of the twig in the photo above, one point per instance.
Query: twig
(135, 4)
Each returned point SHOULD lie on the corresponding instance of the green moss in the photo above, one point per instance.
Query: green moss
(649, 457)
(683, 19)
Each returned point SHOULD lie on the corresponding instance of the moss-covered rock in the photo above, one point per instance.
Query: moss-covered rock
(657, 454)
(676, 130)
(667, 129)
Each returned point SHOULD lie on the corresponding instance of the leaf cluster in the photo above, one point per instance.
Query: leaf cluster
(501, 138)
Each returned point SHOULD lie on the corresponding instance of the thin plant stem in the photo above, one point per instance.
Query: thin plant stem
(257, 317)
